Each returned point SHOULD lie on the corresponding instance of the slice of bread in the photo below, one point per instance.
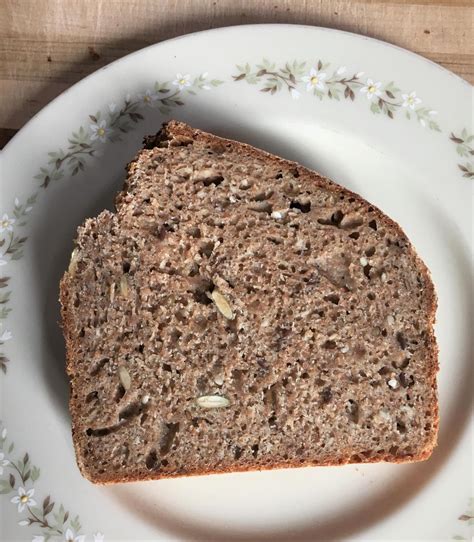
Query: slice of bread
(240, 312)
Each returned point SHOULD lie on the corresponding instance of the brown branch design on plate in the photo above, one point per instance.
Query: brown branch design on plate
(322, 81)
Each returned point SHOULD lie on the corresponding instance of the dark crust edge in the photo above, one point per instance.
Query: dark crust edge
(179, 133)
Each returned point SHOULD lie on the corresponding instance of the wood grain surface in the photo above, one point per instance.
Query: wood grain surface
(48, 45)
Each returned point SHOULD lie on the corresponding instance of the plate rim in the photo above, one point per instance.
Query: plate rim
(45, 110)
(456, 79)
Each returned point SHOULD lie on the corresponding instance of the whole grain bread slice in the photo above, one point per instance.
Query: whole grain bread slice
(240, 311)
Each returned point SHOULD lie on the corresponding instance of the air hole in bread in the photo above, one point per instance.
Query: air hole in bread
(130, 411)
(215, 179)
(97, 368)
(194, 232)
(366, 270)
(401, 427)
(403, 364)
(168, 436)
(102, 431)
(119, 393)
(326, 395)
(352, 410)
(304, 206)
(152, 461)
(206, 249)
(272, 421)
(238, 451)
(407, 381)
(92, 396)
(334, 220)
(401, 340)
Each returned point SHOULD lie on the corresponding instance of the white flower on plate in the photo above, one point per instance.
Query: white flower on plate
(182, 81)
(148, 98)
(3, 262)
(341, 70)
(314, 80)
(3, 462)
(432, 113)
(17, 202)
(98, 537)
(423, 122)
(4, 433)
(358, 75)
(6, 223)
(23, 499)
(37, 538)
(69, 536)
(371, 89)
(295, 94)
(5, 336)
(112, 107)
(23, 523)
(99, 130)
(410, 100)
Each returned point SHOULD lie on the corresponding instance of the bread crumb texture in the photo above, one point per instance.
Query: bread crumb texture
(240, 312)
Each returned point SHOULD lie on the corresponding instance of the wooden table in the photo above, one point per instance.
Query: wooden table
(48, 45)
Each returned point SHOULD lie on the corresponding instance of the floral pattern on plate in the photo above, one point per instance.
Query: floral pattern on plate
(465, 150)
(49, 520)
(468, 519)
(323, 81)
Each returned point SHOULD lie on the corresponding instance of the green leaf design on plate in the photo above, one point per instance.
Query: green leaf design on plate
(313, 77)
(18, 477)
(464, 149)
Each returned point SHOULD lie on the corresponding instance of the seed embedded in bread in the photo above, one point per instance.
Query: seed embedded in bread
(124, 286)
(251, 341)
(125, 378)
(73, 261)
(212, 401)
(222, 304)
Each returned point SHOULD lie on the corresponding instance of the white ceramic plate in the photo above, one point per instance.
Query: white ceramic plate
(379, 120)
